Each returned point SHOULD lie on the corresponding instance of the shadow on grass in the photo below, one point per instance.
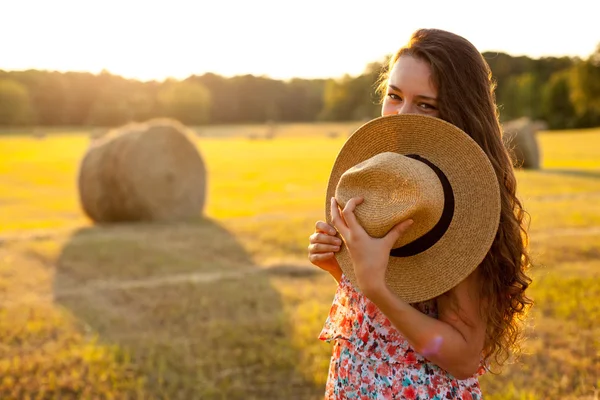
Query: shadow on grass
(186, 303)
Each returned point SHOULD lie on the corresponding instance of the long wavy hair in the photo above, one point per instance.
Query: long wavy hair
(466, 99)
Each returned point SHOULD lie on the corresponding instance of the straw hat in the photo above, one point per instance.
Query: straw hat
(424, 168)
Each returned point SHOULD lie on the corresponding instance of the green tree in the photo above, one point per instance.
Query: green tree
(367, 102)
(255, 98)
(352, 98)
(187, 101)
(111, 106)
(109, 110)
(142, 102)
(336, 100)
(585, 89)
(557, 108)
(220, 96)
(302, 100)
(15, 107)
(521, 96)
(83, 90)
(49, 97)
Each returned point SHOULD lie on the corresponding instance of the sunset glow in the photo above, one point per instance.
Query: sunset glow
(156, 40)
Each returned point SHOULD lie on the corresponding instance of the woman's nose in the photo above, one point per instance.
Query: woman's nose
(403, 109)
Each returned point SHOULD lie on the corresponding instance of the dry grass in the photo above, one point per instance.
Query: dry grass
(222, 307)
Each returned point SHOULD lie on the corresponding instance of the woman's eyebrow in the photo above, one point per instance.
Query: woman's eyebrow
(397, 89)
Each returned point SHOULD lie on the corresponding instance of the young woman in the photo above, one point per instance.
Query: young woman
(434, 349)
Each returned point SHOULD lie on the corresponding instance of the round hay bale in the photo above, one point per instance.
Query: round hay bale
(520, 139)
(270, 135)
(39, 133)
(271, 131)
(143, 172)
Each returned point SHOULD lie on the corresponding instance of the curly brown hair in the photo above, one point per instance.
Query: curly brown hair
(466, 99)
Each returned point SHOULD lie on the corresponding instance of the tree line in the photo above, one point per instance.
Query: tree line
(565, 92)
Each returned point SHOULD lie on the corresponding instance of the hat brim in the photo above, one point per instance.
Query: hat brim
(476, 200)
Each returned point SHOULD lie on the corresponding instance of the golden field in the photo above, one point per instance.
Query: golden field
(226, 306)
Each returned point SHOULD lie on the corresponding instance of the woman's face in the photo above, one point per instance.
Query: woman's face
(410, 89)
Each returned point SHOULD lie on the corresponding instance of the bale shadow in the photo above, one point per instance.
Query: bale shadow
(198, 319)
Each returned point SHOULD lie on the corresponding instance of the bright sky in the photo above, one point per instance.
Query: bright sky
(281, 39)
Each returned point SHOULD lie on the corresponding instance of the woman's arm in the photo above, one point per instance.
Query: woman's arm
(337, 275)
(455, 340)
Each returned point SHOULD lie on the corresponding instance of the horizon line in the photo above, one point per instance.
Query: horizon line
(162, 79)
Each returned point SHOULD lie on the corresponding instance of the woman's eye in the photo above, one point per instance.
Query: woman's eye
(427, 106)
(394, 96)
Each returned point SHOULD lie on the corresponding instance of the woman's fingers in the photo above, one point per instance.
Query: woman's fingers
(324, 238)
(348, 212)
(315, 258)
(322, 248)
(324, 227)
(396, 232)
(336, 218)
(345, 221)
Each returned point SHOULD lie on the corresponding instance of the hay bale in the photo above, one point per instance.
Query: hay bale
(520, 139)
(271, 131)
(270, 135)
(39, 133)
(143, 172)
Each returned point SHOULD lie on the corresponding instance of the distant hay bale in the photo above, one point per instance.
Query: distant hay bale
(143, 172)
(271, 131)
(270, 135)
(333, 135)
(39, 133)
(520, 139)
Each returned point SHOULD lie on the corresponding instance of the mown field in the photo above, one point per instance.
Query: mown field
(226, 306)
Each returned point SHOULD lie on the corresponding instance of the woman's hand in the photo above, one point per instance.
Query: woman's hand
(369, 255)
(323, 245)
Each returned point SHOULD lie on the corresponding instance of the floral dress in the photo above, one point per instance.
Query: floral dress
(372, 360)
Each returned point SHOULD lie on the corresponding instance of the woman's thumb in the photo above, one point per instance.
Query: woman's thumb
(397, 231)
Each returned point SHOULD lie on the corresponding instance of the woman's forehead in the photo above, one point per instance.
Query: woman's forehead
(411, 74)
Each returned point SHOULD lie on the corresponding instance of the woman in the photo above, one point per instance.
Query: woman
(442, 75)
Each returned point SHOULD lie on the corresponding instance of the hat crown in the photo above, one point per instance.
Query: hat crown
(395, 187)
